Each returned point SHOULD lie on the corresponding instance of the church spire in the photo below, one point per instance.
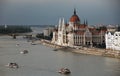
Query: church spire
(86, 22)
(60, 22)
(63, 24)
(74, 11)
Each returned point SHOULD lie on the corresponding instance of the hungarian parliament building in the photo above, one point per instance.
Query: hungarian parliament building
(112, 40)
(75, 33)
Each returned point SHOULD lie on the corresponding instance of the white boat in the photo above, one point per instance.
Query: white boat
(17, 44)
(33, 44)
(12, 65)
(24, 52)
(64, 71)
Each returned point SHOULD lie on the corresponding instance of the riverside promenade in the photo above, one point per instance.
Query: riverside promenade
(83, 50)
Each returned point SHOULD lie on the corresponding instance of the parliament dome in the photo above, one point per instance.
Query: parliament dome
(74, 17)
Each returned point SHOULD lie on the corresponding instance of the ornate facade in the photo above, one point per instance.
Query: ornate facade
(112, 40)
(76, 34)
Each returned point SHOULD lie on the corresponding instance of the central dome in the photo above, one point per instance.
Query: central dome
(74, 17)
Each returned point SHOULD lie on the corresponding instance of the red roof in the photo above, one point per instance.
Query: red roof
(80, 32)
(104, 30)
(92, 29)
(74, 18)
(96, 33)
(82, 26)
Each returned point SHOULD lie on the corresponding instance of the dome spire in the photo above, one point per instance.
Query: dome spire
(84, 22)
(74, 11)
(74, 18)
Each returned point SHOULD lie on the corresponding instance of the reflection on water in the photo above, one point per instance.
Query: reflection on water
(43, 61)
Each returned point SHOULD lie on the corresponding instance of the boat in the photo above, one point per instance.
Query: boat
(33, 44)
(24, 52)
(17, 44)
(55, 50)
(12, 65)
(64, 71)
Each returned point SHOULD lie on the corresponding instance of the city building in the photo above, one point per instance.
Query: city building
(112, 40)
(111, 28)
(75, 33)
(48, 31)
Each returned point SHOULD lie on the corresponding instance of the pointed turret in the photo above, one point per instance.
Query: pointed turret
(86, 22)
(59, 27)
(60, 21)
(74, 11)
(63, 24)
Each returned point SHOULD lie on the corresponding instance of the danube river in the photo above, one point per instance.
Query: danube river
(43, 61)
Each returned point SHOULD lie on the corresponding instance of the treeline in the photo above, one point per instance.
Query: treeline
(14, 29)
(41, 36)
(41, 25)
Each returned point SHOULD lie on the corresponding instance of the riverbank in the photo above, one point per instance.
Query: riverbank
(83, 50)
(5, 29)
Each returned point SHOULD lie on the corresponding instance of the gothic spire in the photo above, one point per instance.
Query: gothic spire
(59, 27)
(60, 21)
(74, 11)
(63, 24)
(86, 22)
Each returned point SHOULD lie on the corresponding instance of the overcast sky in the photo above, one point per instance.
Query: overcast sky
(49, 11)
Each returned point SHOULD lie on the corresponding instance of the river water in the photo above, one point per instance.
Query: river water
(43, 61)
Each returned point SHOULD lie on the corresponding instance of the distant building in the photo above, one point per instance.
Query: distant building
(112, 40)
(111, 28)
(76, 34)
(5, 26)
(48, 31)
(118, 27)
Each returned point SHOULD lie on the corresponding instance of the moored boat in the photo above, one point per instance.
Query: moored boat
(55, 50)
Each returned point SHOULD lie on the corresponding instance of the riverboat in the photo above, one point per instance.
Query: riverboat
(64, 71)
